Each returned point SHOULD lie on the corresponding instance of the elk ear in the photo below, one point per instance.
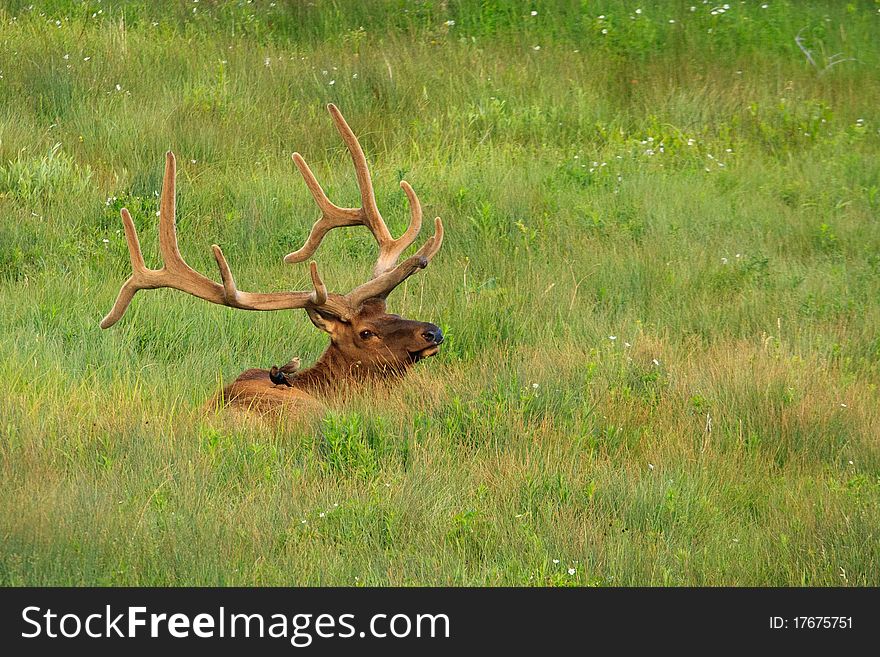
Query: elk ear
(325, 321)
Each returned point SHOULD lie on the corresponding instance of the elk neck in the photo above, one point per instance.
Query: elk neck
(333, 368)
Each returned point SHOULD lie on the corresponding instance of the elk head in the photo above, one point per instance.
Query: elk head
(375, 342)
(364, 338)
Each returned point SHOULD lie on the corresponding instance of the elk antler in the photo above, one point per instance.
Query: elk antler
(387, 274)
(176, 274)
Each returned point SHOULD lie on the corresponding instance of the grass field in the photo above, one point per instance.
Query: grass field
(660, 283)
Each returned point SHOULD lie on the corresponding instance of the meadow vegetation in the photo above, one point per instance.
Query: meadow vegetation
(660, 285)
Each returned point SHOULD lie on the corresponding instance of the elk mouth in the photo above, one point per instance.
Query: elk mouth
(427, 352)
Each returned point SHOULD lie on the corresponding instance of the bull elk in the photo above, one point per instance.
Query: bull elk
(365, 341)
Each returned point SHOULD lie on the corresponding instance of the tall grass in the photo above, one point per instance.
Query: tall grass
(660, 283)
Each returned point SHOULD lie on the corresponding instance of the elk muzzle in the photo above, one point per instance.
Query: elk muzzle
(433, 338)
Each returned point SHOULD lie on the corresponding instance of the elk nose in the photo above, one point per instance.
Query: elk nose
(433, 334)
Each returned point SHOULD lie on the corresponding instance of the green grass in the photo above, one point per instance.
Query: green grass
(660, 282)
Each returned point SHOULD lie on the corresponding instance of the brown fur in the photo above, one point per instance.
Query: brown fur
(394, 345)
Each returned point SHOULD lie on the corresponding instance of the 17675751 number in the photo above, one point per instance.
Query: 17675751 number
(811, 623)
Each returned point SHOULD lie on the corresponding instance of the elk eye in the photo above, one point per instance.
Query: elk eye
(366, 334)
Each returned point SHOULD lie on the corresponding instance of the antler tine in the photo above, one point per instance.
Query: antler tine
(177, 274)
(138, 270)
(260, 301)
(333, 216)
(383, 285)
(370, 210)
(408, 237)
(168, 216)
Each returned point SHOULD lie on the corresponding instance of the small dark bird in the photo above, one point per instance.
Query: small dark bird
(278, 377)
